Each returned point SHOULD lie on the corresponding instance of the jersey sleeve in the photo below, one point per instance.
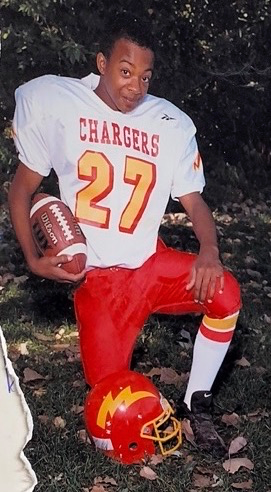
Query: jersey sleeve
(188, 174)
(29, 132)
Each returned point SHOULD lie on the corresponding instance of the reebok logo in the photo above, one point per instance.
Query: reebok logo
(167, 117)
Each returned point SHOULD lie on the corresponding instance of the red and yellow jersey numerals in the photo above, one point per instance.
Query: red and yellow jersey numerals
(98, 171)
(142, 175)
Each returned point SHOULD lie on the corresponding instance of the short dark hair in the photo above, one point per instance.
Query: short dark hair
(126, 26)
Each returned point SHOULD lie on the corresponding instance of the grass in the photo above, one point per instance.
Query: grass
(64, 463)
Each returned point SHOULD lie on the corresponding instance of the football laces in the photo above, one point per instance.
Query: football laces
(62, 221)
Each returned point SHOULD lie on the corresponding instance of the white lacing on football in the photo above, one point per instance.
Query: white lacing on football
(62, 221)
(74, 249)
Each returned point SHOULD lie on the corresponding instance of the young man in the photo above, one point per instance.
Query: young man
(119, 153)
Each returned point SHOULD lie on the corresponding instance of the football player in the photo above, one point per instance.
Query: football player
(119, 153)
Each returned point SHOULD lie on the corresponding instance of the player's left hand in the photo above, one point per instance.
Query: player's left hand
(207, 276)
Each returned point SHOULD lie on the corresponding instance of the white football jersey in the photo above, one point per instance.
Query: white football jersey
(116, 171)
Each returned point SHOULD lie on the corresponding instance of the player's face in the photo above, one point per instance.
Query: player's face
(125, 75)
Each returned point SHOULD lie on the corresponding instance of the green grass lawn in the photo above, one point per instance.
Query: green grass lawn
(59, 453)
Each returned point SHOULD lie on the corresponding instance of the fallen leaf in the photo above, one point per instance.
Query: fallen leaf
(243, 485)
(20, 280)
(73, 353)
(100, 481)
(61, 332)
(237, 444)
(174, 218)
(72, 357)
(177, 453)
(254, 274)
(186, 336)
(225, 218)
(204, 471)
(260, 370)
(255, 285)
(169, 376)
(147, 472)
(98, 488)
(201, 481)
(22, 347)
(249, 260)
(187, 431)
(217, 482)
(60, 347)
(31, 375)
(43, 338)
(185, 342)
(189, 458)
(77, 409)
(72, 334)
(13, 353)
(155, 371)
(231, 419)
(6, 278)
(257, 415)
(39, 392)
(59, 477)
(83, 436)
(233, 464)
(74, 348)
(156, 459)
(44, 419)
(59, 423)
(243, 362)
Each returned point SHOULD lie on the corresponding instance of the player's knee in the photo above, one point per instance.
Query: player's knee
(229, 301)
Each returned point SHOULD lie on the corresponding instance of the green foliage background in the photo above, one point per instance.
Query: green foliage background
(213, 61)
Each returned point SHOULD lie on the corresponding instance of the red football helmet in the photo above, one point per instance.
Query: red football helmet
(128, 419)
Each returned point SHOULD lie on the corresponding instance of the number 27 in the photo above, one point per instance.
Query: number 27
(98, 171)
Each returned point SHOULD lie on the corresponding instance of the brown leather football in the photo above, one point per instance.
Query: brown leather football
(56, 232)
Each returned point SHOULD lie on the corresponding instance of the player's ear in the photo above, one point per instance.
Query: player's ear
(101, 62)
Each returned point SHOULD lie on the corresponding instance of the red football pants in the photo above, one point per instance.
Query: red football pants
(112, 305)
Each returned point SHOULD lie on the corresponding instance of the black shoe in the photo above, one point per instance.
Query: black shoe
(206, 437)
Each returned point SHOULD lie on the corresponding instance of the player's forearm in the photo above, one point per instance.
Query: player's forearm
(24, 184)
(19, 205)
(204, 228)
(202, 220)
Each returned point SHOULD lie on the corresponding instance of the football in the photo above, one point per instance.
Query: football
(56, 232)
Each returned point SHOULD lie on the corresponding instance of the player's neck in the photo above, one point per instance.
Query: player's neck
(102, 93)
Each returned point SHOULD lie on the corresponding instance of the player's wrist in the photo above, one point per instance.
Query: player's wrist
(209, 248)
(33, 262)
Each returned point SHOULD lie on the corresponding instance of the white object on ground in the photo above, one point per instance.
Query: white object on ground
(16, 426)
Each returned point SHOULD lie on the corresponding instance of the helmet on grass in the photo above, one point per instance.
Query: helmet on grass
(129, 420)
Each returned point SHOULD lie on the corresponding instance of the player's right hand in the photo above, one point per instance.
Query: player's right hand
(50, 268)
